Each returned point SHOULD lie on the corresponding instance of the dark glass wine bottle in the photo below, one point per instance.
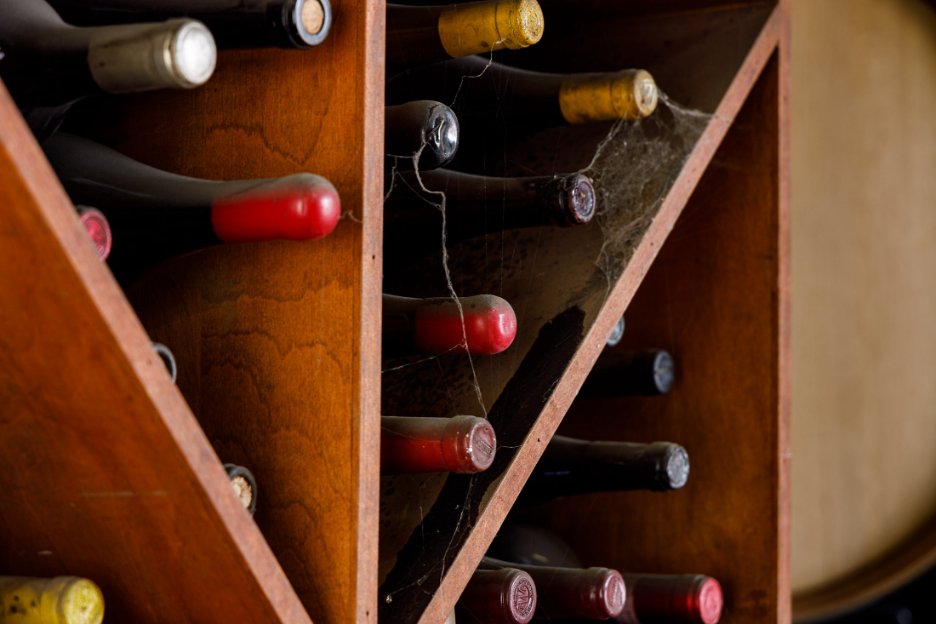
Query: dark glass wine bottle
(48, 63)
(244, 485)
(298, 24)
(671, 599)
(424, 128)
(475, 206)
(56, 600)
(156, 215)
(646, 372)
(427, 34)
(532, 545)
(476, 87)
(590, 593)
(570, 466)
(435, 326)
(506, 596)
(460, 444)
(95, 224)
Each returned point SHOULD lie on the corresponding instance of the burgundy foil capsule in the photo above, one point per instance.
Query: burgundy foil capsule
(665, 599)
(98, 229)
(435, 324)
(506, 596)
(593, 593)
(461, 444)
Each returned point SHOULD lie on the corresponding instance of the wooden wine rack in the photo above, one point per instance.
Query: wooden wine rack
(110, 475)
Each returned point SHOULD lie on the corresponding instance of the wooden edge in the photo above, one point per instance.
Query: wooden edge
(915, 556)
(785, 453)
(369, 321)
(116, 311)
(511, 483)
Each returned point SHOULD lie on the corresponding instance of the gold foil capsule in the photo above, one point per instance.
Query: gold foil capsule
(627, 94)
(58, 600)
(477, 27)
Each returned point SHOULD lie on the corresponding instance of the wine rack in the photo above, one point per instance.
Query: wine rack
(111, 476)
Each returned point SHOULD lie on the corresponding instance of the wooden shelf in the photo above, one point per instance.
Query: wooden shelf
(278, 346)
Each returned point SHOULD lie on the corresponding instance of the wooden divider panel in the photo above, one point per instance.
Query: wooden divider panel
(106, 473)
(278, 344)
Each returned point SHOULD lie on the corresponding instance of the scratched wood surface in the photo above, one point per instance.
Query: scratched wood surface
(434, 529)
(278, 344)
(715, 299)
(107, 474)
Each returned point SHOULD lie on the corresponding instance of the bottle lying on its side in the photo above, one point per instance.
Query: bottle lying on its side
(57, 600)
(570, 466)
(423, 127)
(589, 593)
(155, 215)
(481, 325)
(48, 63)
(475, 87)
(428, 34)
(460, 444)
(298, 24)
(504, 596)
(244, 485)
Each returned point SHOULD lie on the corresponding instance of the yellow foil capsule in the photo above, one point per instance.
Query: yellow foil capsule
(627, 94)
(59, 600)
(477, 27)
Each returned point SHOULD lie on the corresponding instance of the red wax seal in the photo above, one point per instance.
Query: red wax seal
(301, 207)
(97, 227)
(490, 326)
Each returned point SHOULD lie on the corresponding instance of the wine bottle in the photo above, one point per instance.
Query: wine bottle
(482, 325)
(590, 593)
(421, 35)
(562, 200)
(570, 466)
(244, 486)
(646, 372)
(476, 87)
(424, 128)
(475, 206)
(530, 544)
(506, 596)
(49, 63)
(156, 215)
(167, 359)
(57, 600)
(669, 599)
(617, 333)
(461, 444)
(95, 224)
(298, 24)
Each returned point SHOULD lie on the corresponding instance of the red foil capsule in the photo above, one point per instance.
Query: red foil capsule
(301, 207)
(435, 324)
(664, 599)
(593, 593)
(98, 229)
(461, 444)
(490, 326)
(506, 596)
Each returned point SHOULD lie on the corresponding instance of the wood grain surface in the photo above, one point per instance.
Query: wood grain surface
(434, 530)
(107, 475)
(864, 347)
(713, 299)
(278, 344)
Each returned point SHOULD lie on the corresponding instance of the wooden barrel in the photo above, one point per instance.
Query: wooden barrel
(864, 301)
